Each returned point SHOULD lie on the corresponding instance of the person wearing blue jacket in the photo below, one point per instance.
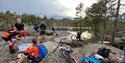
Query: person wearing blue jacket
(36, 28)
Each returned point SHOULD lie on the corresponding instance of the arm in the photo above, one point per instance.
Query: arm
(29, 51)
(45, 27)
(16, 26)
(23, 26)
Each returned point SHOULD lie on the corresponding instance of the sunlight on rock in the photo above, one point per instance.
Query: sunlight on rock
(104, 42)
(73, 33)
(50, 46)
(87, 35)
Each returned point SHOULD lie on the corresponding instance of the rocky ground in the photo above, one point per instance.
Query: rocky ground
(6, 57)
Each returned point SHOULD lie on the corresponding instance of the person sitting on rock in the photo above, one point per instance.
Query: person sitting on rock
(36, 52)
(8, 36)
(20, 28)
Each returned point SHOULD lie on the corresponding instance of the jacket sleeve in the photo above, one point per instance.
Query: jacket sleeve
(30, 51)
(22, 25)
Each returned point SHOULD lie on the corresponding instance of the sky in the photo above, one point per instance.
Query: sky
(50, 8)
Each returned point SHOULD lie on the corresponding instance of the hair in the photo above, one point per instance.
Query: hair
(34, 41)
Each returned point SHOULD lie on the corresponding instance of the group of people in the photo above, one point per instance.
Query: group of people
(14, 31)
(43, 28)
(35, 50)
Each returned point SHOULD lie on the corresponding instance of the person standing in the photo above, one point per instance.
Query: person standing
(43, 30)
(36, 28)
(54, 29)
(20, 28)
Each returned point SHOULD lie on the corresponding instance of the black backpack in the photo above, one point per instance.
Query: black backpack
(104, 52)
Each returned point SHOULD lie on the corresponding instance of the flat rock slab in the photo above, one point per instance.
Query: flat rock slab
(6, 57)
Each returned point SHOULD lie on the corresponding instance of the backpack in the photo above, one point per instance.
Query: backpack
(5, 34)
(89, 59)
(92, 59)
(104, 52)
(43, 51)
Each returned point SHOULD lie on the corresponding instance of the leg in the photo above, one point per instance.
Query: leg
(33, 59)
(42, 35)
(23, 33)
(11, 49)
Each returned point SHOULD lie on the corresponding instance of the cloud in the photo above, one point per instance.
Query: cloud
(37, 7)
(51, 8)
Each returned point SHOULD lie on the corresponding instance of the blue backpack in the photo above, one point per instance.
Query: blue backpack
(43, 51)
(93, 60)
(89, 59)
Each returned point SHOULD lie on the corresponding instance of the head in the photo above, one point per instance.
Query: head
(19, 20)
(35, 41)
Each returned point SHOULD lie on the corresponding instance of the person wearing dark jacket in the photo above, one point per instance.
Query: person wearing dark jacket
(43, 30)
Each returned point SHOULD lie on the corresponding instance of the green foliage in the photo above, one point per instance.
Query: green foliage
(45, 18)
(96, 18)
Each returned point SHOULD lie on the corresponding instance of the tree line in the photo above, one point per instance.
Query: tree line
(8, 19)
